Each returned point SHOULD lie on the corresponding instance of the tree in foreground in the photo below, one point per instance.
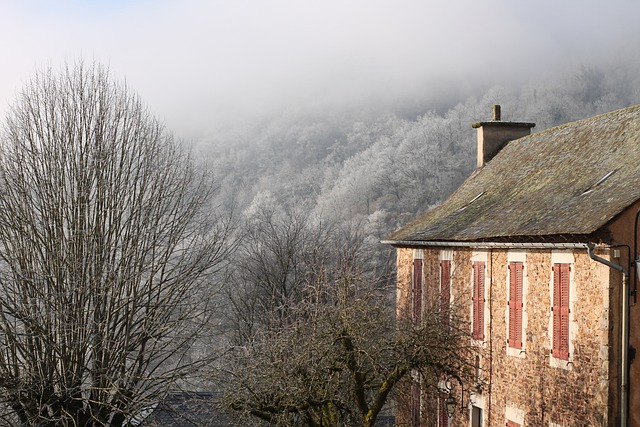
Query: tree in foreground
(107, 242)
(338, 356)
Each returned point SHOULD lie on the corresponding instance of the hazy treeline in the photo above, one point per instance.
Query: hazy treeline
(375, 169)
(136, 275)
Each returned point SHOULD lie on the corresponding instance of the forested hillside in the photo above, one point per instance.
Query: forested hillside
(374, 169)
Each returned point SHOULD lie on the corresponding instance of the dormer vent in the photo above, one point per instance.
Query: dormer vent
(463, 207)
(600, 181)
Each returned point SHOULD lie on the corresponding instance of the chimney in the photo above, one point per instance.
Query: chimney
(494, 135)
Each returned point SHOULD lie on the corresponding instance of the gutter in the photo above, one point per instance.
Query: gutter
(485, 245)
(624, 344)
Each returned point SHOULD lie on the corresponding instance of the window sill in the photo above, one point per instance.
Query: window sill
(556, 362)
(520, 353)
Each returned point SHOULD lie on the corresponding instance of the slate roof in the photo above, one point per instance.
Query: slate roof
(565, 182)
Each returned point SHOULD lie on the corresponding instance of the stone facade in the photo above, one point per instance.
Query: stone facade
(540, 202)
(529, 386)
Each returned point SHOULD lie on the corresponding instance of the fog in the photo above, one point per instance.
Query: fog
(202, 63)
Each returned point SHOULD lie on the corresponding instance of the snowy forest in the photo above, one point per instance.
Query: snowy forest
(373, 170)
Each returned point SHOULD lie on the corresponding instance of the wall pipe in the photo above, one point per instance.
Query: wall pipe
(624, 345)
(490, 333)
(635, 257)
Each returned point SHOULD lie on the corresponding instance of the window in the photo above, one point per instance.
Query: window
(445, 289)
(478, 300)
(476, 416)
(417, 290)
(560, 310)
(515, 304)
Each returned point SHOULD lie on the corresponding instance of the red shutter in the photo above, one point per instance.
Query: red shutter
(512, 424)
(415, 405)
(445, 290)
(555, 308)
(564, 311)
(443, 415)
(560, 309)
(478, 300)
(481, 302)
(515, 304)
(417, 290)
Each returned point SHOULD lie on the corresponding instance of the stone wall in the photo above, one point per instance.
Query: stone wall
(531, 384)
(623, 232)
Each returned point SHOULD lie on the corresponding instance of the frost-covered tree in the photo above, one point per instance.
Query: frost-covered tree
(282, 250)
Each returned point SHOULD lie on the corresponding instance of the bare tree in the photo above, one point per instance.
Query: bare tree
(107, 242)
(339, 356)
(314, 338)
(283, 250)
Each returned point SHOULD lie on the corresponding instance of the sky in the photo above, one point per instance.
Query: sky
(201, 63)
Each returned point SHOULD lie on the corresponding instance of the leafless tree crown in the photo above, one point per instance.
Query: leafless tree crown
(106, 240)
(314, 338)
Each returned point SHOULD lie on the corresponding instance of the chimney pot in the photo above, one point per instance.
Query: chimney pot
(496, 113)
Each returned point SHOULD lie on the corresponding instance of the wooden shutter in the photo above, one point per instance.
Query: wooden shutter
(564, 311)
(512, 424)
(415, 405)
(445, 290)
(560, 348)
(515, 304)
(417, 290)
(478, 300)
(443, 416)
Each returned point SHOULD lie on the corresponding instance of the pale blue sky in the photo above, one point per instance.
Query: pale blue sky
(198, 62)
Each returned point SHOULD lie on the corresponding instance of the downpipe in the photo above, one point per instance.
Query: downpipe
(624, 345)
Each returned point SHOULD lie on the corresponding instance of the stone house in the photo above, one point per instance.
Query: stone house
(537, 246)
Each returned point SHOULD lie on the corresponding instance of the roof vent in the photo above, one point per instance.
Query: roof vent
(463, 207)
(600, 181)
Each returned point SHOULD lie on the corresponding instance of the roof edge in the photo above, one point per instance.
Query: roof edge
(485, 245)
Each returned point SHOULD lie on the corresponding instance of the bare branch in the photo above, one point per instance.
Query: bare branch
(107, 243)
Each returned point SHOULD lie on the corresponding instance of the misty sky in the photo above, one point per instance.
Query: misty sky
(198, 63)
